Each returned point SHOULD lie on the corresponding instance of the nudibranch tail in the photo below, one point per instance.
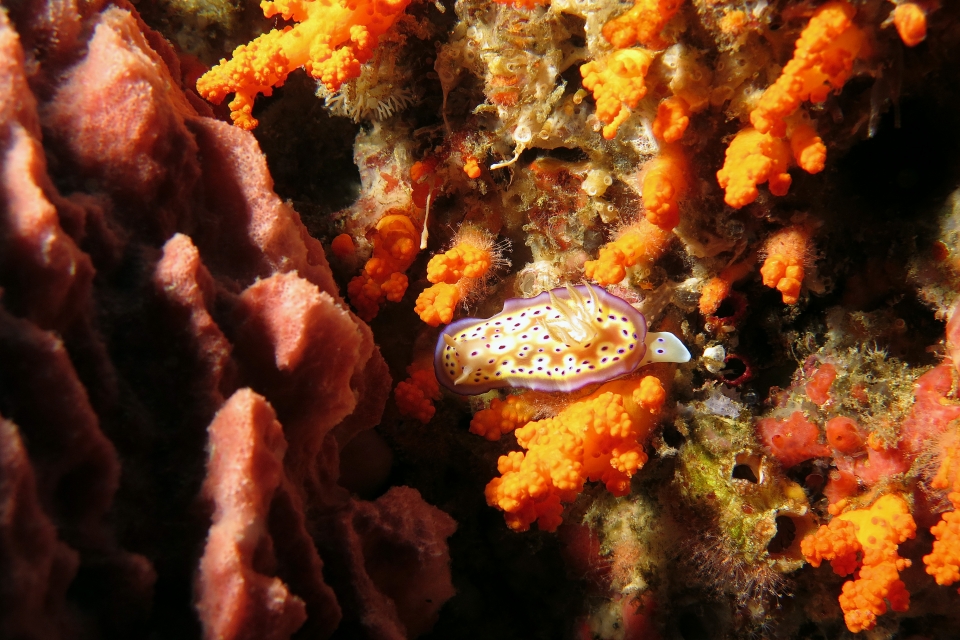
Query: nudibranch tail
(560, 340)
(664, 347)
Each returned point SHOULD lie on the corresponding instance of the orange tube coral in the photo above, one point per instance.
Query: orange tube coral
(943, 563)
(821, 63)
(663, 181)
(331, 41)
(642, 24)
(642, 242)
(752, 158)
(617, 83)
(875, 533)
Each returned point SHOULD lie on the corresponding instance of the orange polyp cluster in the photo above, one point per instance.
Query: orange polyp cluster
(874, 534)
(502, 417)
(673, 118)
(783, 269)
(396, 243)
(471, 167)
(456, 273)
(821, 63)
(663, 181)
(331, 40)
(911, 23)
(617, 83)
(642, 24)
(753, 158)
(642, 242)
(415, 395)
(593, 439)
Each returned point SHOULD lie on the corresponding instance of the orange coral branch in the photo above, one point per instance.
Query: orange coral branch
(821, 63)
(642, 24)
(502, 417)
(783, 269)
(875, 533)
(331, 40)
(642, 242)
(395, 245)
(596, 438)
(673, 118)
(415, 395)
(663, 181)
(617, 83)
(751, 159)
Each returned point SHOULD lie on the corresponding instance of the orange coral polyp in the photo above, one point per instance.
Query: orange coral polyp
(822, 62)
(751, 159)
(641, 243)
(911, 23)
(415, 395)
(331, 40)
(437, 303)
(642, 24)
(808, 149)
(462, 261)
(673, 118)
(783, 269)
(617, 83)
(395, 245)
(662, 184)
(875, 533)
(943, 563)
(502, 417)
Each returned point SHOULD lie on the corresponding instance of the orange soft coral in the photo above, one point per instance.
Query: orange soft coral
(821, 63)
(911, 23)
(783, 269)
(342, 246)
(617, 83)
(436, 304)
(642, 24)
(662, 182)
(875, 533)
(751, 159)
(457, 273)
(395, 245)
(643, 242)
(596, 438)
(502, 417)
(943, 563)
(331, 40)
(673, 118)
(415, 395)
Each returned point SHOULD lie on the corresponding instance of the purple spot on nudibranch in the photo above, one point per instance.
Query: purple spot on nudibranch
(625, 332)
(659, 350)
(624, 319)
(621, 350)
(603, 348)
(603, 360)
(615, 358)
(474, 353)
(612, 317)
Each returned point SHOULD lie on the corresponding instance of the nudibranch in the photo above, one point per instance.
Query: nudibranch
(560, 340)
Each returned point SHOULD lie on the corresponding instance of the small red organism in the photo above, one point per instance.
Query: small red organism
(843, 434)
(793, 440)
(911, 23)
(818, 388)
